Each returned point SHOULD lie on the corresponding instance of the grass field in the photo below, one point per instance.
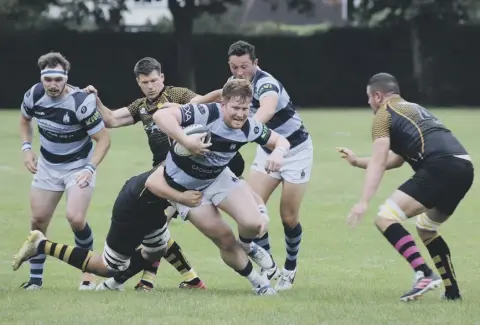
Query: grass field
(346, 276)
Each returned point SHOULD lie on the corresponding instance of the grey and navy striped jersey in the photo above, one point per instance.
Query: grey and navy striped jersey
(198, 172)
(286, 120)
(65, 125)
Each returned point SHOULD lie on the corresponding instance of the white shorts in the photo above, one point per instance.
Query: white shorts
(297, 164)
(55, 179)
(213, 194)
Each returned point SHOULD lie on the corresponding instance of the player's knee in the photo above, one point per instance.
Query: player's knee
(426, 227)
(226, 241)
(155, 244)
(76, 220)
(289, 215)
(255, 226)
(115, 262)
(389, 213)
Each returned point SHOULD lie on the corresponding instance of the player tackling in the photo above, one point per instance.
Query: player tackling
(443, 174)
(67, 120)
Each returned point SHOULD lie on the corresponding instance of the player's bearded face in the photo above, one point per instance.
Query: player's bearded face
(242, 67)
(54, 86)
(235, 112)
(151, 84)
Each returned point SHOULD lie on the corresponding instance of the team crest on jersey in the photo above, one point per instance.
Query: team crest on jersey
(66, 118)
(143, 111)
(233, 146)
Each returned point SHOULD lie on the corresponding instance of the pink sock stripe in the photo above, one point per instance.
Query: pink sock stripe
(409, 251)
(417, 262)
(403, 241)
(156, 264)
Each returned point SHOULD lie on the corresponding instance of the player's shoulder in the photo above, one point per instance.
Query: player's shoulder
(80, 98)
(35, 92)
(137, 102)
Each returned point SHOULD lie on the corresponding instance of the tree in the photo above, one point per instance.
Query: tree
(421, 17)
(184, 13)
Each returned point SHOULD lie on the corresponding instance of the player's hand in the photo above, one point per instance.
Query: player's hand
(167, 105)
(30, 161)
(195, 145)
(191, 198)
(90, 90)
(84, 178)
(357, 213)
(348, 155)
(274, 161)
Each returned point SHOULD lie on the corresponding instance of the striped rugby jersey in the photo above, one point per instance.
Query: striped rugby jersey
(64, 124)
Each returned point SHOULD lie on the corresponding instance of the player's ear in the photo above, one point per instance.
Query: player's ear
(255, 62)
(162, 77)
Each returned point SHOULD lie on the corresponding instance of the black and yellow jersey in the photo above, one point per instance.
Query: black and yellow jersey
(142, 110)
(415, 133)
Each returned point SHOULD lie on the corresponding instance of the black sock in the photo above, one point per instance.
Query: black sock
(75, 256)
(293, 237)
(440, 253)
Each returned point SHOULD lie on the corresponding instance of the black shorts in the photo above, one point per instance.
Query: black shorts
(441, 183)
(237, 165)
(138, 218)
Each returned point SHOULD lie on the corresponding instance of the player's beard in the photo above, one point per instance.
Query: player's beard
(55, 92)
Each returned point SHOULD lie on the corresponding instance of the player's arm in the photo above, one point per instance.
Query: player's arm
(393, 161)
(211, 97)
(92, 122)
(268, 92)
(26, 132)
(157, 184)
(378, 161)
(115, 118)
(171, 119)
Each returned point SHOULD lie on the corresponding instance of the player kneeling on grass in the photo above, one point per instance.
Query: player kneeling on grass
(137, 219)
(405, 131)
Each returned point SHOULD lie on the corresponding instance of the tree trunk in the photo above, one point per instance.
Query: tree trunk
(417, 59)
(183, 31)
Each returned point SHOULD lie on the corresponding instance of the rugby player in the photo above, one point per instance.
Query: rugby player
(272, 106)
(150, 79)
(443, 174)
(67, 120)
(137, 219)
(207, 171)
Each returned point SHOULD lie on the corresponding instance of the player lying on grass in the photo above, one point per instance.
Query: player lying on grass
(137, 219)
(150, 79)
(207, 170)
(443, 174)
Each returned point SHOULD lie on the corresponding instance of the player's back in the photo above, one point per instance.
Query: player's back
(417, 135)
(286, 121)
(197, 172)
(64, 124)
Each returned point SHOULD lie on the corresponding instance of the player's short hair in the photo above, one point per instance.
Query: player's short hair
(52, 59)
(240, 48)
(385, 83)
(237, 88)
(146, 66)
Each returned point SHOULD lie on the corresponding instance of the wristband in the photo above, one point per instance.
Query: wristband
(90, 168)
(26, 146)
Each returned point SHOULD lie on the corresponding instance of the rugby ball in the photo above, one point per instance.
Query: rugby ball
(189, 130)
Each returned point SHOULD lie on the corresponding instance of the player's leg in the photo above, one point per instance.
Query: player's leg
(236, 198)
(263, 185)
(46, 191)
(78, 201)
(206, 218)
(295, 173)
(457, 182)
(176, 257)
(398, 208)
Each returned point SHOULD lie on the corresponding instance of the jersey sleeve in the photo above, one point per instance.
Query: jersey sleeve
(199, 114)
(258, 132)
(181, 95)
(134, 109)
(88, 115)
(267, 86)
(382, 123)
(27, 104)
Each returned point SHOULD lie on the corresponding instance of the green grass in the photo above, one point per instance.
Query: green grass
(346, 276)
